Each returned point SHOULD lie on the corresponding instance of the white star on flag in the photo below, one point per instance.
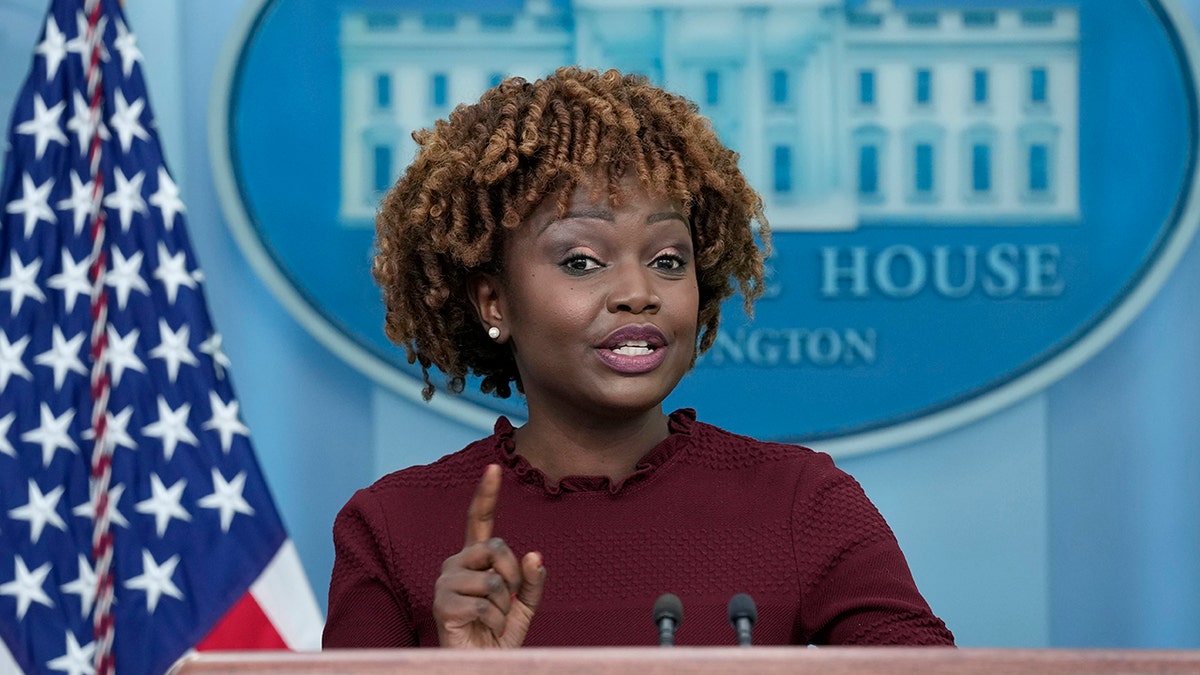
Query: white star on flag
(12, 359)
(126, 276)
(6, 446)
(63, 357)
(53, 47)
(173, 349)
(44, 126)
(126, 44)
(164, 504)
(225, 420)
(72, 280)
(115, 433)
(126, 121)
(84, 122)
(26, 587)
(79, 44)
(155, 580)
(172, 272)
(126, 197)
(80, 201)
(212, 347)
(40, 510)
(122, 354)
(88, 508)
(227, 498)
(171, 427)
(77, 660)
(34, 203)
(166, 198)
(21, 282)
(84, 586)
(52, 434)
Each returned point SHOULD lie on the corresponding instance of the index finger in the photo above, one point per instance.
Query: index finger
(483, 506)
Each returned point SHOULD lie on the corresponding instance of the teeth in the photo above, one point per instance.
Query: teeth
(633, 350)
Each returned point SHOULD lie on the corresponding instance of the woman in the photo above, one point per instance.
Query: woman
(575, 236)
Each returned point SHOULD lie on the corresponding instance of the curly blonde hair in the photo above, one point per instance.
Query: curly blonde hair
(483, 170)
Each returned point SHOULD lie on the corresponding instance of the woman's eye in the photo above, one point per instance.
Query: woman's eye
(669, 262)
(581, 263)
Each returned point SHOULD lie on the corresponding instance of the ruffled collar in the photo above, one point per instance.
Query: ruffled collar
(679, 427)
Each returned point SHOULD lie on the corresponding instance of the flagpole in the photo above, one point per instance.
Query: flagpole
(103, 622)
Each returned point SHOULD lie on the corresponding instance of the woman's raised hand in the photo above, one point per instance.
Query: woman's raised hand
(485, 597)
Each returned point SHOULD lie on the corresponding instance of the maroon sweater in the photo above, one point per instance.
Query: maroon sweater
(705, 515)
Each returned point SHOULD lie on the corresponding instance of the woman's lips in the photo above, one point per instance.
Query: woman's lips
(633, 349)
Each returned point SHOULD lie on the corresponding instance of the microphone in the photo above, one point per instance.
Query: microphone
(742, 614)
(668, 614)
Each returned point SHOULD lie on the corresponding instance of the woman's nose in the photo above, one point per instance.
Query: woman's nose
(633, 290)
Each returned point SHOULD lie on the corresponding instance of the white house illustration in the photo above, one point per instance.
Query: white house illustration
(843, 113)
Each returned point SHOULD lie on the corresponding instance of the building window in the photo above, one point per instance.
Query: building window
(981, 18)
(554, 23)
(860, 19)
(1037, 17)
(439, 23)
(1037, 150)
(383, 91)
(439, 89)
(866, 87)
(712, 87)
(783, 168)
(978, 161)
(923, 86)
(1039, 169)
(981, 167)
(923, 143)
(979, 86)
(923, 169)
(870, 141)
(382, 168)
(779, 87)
(377, 22)
(1037, 86)
(868, 170)
(496, 22)
(922, 19)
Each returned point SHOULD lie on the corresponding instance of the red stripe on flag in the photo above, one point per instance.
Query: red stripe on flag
(245, 626)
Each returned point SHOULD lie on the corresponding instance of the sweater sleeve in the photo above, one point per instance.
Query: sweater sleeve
(366, 608)
(855, 583)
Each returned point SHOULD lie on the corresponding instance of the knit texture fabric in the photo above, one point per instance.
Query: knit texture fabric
(705, 515)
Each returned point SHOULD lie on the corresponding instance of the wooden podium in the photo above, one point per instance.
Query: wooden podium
(705, 660)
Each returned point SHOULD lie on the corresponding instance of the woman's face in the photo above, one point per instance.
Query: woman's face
(600, 306)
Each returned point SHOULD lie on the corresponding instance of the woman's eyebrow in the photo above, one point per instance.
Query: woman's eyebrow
(595, 213)
(666, 215)
(606, 214)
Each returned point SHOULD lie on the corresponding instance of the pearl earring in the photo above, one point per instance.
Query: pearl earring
(494, 333)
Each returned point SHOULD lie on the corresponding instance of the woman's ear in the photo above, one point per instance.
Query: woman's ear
(487, 295)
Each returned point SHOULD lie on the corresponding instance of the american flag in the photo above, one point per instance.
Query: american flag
(199, 555)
